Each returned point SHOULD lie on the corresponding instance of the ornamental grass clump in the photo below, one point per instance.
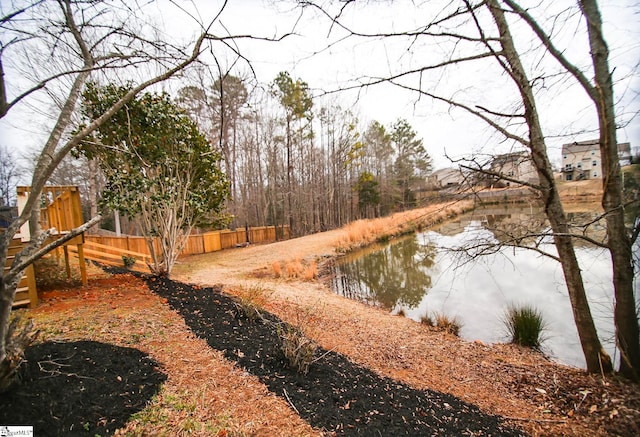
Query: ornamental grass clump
(452, 325)
(250, 302)
(297, 349)
(525, 325)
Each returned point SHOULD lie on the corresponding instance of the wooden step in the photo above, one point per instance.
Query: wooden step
(21, 303)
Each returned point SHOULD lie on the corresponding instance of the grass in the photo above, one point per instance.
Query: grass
(251, 300)
(310, 272)
(427, 320)
(296, 269)
(525, 325)
(277, 269)
(452, 325)
(297, 348)
(364, 232)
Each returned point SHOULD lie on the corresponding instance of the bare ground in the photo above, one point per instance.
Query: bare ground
(206, 393)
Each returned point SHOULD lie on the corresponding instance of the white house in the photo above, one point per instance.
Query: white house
(581, 160)
(445, 177)
(515, 165)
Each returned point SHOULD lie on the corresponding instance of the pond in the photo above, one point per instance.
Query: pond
(427, 273)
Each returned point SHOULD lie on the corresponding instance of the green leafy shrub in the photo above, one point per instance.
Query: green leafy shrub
(525, 325)
(128, 261)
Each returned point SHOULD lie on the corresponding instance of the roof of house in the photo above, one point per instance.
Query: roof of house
(581, 146)
(585, 146)
(446, 172)
(514, 157)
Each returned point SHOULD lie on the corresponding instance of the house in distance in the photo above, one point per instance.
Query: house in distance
(581, 160)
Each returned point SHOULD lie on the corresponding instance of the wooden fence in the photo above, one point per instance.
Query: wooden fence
(199, 243)
(113, 256)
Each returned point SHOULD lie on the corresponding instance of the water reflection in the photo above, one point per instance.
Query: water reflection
(395, 274)
(424, 273)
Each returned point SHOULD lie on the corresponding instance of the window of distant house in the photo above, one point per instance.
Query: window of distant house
(579, 165)
(568, 167)
(593, 152)
(595, 175)
(564, 156)
(569, 177)
(595, 163)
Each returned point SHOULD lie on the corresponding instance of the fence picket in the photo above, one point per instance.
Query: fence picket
(196, 244)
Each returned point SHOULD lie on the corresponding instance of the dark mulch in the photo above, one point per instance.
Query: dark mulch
(336, 395)
(80, 388)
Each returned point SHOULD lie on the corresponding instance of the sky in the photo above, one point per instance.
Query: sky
(321, 55)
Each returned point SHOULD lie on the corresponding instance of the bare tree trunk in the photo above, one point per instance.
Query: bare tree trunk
(596, 357)
(625, 315)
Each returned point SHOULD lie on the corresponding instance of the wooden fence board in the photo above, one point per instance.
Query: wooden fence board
(196, 244)
(212, 241)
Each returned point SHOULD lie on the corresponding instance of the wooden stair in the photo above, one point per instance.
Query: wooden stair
(26, 293)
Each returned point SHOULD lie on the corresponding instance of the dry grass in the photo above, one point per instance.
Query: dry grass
(251, 300)
(277, 269)
(310, 272)
(297, 348)
(296, 269)
(451, 325)
(363, 232)
(580, 190)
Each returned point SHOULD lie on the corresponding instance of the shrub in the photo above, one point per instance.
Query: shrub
(297, 349)
(525, 325)
(448, 324)
(128, 261)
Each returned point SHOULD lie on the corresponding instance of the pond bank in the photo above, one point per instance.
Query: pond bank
(539, 396)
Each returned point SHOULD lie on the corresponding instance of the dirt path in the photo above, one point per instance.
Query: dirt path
(537, 395)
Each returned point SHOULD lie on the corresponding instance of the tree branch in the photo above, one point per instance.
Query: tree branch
(557, 54)
(22, 262)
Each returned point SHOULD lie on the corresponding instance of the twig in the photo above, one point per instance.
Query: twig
(322, 356)
(524, 419)
(289, 400)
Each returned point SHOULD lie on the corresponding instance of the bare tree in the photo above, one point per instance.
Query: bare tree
(474, 32)
(77, 41)
(600, 91)
(9, 172)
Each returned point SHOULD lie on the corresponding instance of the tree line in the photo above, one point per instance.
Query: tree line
(288, 159)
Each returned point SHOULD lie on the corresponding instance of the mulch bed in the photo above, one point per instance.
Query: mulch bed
(335, 395)
(80, 388)
(91, 388)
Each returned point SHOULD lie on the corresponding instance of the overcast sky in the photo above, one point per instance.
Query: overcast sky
(318, 55)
